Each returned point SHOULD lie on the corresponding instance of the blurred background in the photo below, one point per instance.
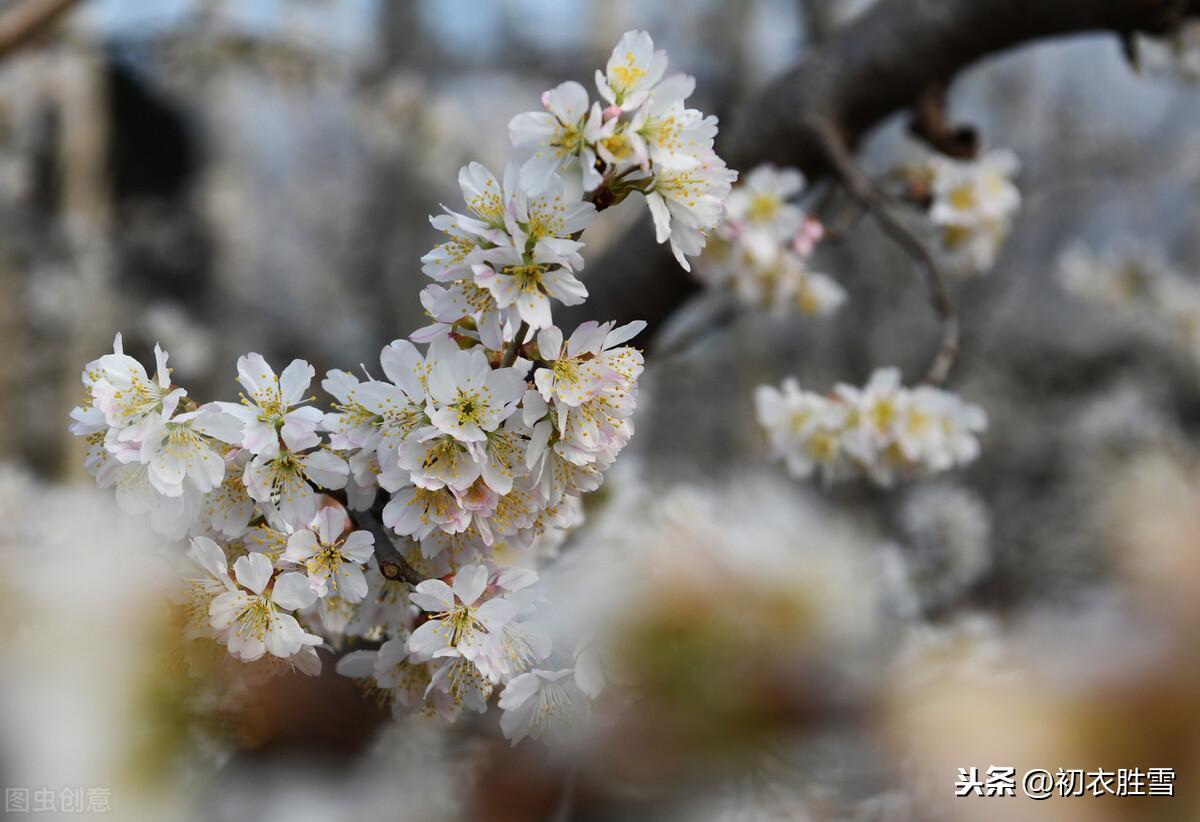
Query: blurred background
(224, 177)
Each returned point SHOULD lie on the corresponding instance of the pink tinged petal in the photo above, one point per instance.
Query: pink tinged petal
(491, 332)
(537, 174)
(469, 583)
(507, 386)
(224, 608)
(306, 417)
(568, 101)
(357, 664)
(326, 469)
(433, 595)
(292, 591)
(533, 407)
(543, 378)
(538, 440)
(428, 639)
(209, 556)
(214, 422)
(495, 613)
(294, 381)
(589, 674)
(330, 523)
(443, 380)
(297, 502)
(359, 546)
(624, 333)
(534, 308)
(245, 647)
(301, 545)
(253, 571)
(539, 641)
(352, 586)
(531, 128)
(257, 478)
(284, 636)
(163, 375)
(255, 374)
(661, 216)
(549, 342)
(260, 438)
(514, 579)
(403, 365)
(339, 384)
(209, 470)
(519, 691)
(587, 338)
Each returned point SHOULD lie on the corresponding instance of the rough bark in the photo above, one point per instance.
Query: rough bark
(880, 64)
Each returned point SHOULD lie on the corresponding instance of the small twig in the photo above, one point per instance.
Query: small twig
(931, 124)
(518, 340)
(392, 563)
(843, 220)
(861, 188)
(22, 23)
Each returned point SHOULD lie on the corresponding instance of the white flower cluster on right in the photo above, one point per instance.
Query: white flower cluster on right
(1175, 56)
(973, 203)
(764, 246)
(882, 431)
(1140, 283)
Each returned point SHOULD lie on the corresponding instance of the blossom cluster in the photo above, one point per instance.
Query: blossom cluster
(466, 453)
(882, 430)
(972, 204)
(1139, 282)
(1176, 55)
(764, 245)
(643, 138)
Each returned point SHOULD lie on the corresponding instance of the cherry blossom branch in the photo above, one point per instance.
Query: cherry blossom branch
(392, 563)
(880, 64)
(24, 22)
(518, 340)
(860, 186)
(931, 124)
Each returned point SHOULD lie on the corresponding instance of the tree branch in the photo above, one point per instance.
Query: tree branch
(931, 124)
(864, 191)
(22, 23)
(876, 66)
(392, 563)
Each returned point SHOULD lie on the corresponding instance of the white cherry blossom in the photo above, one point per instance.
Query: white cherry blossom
(283, 481)
(563, 137)
(633, 68)
(542, 704)
(255, 622)
(463, 619)
(126, 395)
(334, 562)
(687, 203)
(271, 408)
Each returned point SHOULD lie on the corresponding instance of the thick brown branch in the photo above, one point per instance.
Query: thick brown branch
(25, 21)
(932, 124)
(875, 67)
